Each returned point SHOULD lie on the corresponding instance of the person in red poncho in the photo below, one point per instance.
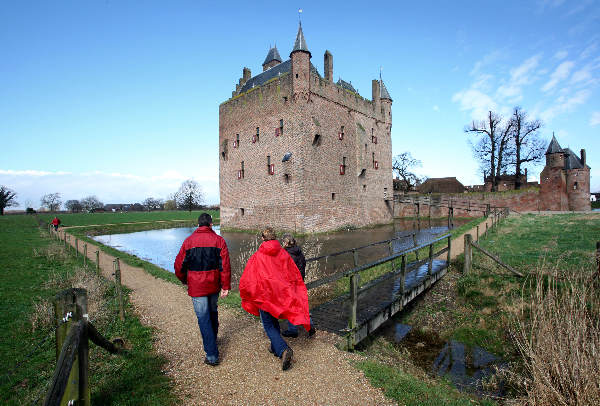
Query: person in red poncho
(55, 223)
(272, 287)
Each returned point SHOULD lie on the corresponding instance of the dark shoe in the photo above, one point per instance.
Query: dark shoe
(311, 332)
(288, 333)
(271, 351)
(212, 364)
(286, 359)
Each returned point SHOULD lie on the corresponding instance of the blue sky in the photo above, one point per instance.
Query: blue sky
(120, 98)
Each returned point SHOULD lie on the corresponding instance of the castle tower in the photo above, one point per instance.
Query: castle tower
(565, 180)
(300, 152)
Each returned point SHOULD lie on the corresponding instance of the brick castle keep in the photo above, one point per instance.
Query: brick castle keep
(300, 152)
(565, 180)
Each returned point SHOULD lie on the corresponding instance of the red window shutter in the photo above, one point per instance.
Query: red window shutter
(253, 139)
(376, 165)
(340, 136)
(239, 174)
(277, 132)
(272, 169)
(235, 144)
(342, 169)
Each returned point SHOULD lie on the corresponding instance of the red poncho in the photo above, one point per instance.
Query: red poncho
(272, 282)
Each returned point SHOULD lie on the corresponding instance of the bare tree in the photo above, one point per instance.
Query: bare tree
(493, 147)
(51, 201)
(91, 203)
(529, 147)
(189, 195)
(7, 198)
(73, 206)
(403, 166)
(170, 204)
(153, 204)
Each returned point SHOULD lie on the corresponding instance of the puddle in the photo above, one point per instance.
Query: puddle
(467, 367)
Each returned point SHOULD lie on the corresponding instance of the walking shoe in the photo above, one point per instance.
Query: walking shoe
(311, 332)
(271, 350)
(212, 364)
(288, 333)
(286, 359)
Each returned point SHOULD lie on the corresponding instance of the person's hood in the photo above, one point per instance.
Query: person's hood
(271, 247)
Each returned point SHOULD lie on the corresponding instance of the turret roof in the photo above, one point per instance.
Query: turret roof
(383, 92)
(554, 147)
(346, 85)
(273, 55)
(300, 44)
(269, 74)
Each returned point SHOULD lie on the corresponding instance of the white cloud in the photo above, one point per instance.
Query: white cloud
(561, 73)
(477, 102)
(582, 75)
(114, 187)
(561, 55)
(436, 108)
(565, 104)
(595, 119)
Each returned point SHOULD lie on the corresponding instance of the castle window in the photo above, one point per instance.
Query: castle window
(296, 76)
(317, 140)
(385, 193)
(575, 186)
(257, 134)
(364, 188)
(281, 127)
(237, 140)
(241, 172)
(241, 211)
(333, 196)
(269, 164)
(373, 158)
(365, 148)
(286, 178)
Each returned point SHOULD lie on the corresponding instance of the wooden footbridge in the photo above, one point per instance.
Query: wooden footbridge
(361, 308)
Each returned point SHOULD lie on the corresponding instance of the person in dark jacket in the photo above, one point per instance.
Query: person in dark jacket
(292, 248)
(203, 265)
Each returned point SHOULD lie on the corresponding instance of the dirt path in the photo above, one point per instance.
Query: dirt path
(248, 374)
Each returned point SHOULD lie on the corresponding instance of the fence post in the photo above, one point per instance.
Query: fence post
(487, 210)
(468, 254)
(430, 263)
(414, 236)
(70, 306)
(76, 247)
(117, 268)
(353, 307)
(98, 261)
(449, 257)
(65, 238)
(477, 232)
(403, 275)
(486, 226)
(598, 256)
(85, 254)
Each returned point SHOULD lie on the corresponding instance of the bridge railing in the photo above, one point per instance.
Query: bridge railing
(353, 274)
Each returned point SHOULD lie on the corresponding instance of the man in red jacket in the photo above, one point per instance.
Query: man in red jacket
(203, 265)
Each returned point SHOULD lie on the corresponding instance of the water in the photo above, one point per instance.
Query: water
(161, 246)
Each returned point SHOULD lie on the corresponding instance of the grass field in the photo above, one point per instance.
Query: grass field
(34, 269)
(86, 219)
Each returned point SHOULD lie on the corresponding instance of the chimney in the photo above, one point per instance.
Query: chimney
(376, 94)
(246, 74)
(583, 157)
(328, 66)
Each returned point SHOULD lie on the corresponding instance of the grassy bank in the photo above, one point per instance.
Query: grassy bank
(493, 309)
(87, 219)
(35, 268)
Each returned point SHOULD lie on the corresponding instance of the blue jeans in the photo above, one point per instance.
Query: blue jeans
(208, 321)
(271, 326)
(292, 328)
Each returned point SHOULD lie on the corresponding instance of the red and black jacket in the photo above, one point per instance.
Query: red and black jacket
(203, 263)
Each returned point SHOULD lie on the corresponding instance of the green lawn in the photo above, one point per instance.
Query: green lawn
(34, 269)
(86, 219)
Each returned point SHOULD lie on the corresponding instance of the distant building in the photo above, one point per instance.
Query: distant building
(507, 182)
(565, 180)
(441, 185)
(301, 152)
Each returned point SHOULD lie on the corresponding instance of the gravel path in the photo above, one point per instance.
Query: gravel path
(248, 374)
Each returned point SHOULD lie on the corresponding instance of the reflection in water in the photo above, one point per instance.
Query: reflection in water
(161, 246)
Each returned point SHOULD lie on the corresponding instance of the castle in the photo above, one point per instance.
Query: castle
(300, 152)
(565, 180)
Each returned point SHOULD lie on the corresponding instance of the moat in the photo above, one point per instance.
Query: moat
(160, 247)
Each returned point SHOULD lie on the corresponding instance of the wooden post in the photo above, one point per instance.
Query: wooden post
(403, 275)
(353, 307)
(117, 268)
(70, 306)
(598, 256)
(486, 226)
(468, 254)
(430, 263)
(76, 247)
(449, 257)
(85, 254)
(65, 238)
(355, 257)
(477, 232)
(414, 236)
(98, 261)
(487, 210)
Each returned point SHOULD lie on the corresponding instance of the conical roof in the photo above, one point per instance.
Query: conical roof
(383, 92)
(554, 147)
(300, 44)
(273, 55)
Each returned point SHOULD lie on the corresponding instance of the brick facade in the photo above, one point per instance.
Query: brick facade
(339, 173)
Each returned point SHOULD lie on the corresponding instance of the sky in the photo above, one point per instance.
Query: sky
(119, 99)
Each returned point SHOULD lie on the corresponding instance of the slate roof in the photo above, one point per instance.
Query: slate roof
(441, 185)
(572, 161)
(273, 55)
(300, 44)
(554, 147)
(383, 92)
(269, 74)
(346, 85)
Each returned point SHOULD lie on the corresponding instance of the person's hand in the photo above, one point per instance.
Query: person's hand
(224, 293)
